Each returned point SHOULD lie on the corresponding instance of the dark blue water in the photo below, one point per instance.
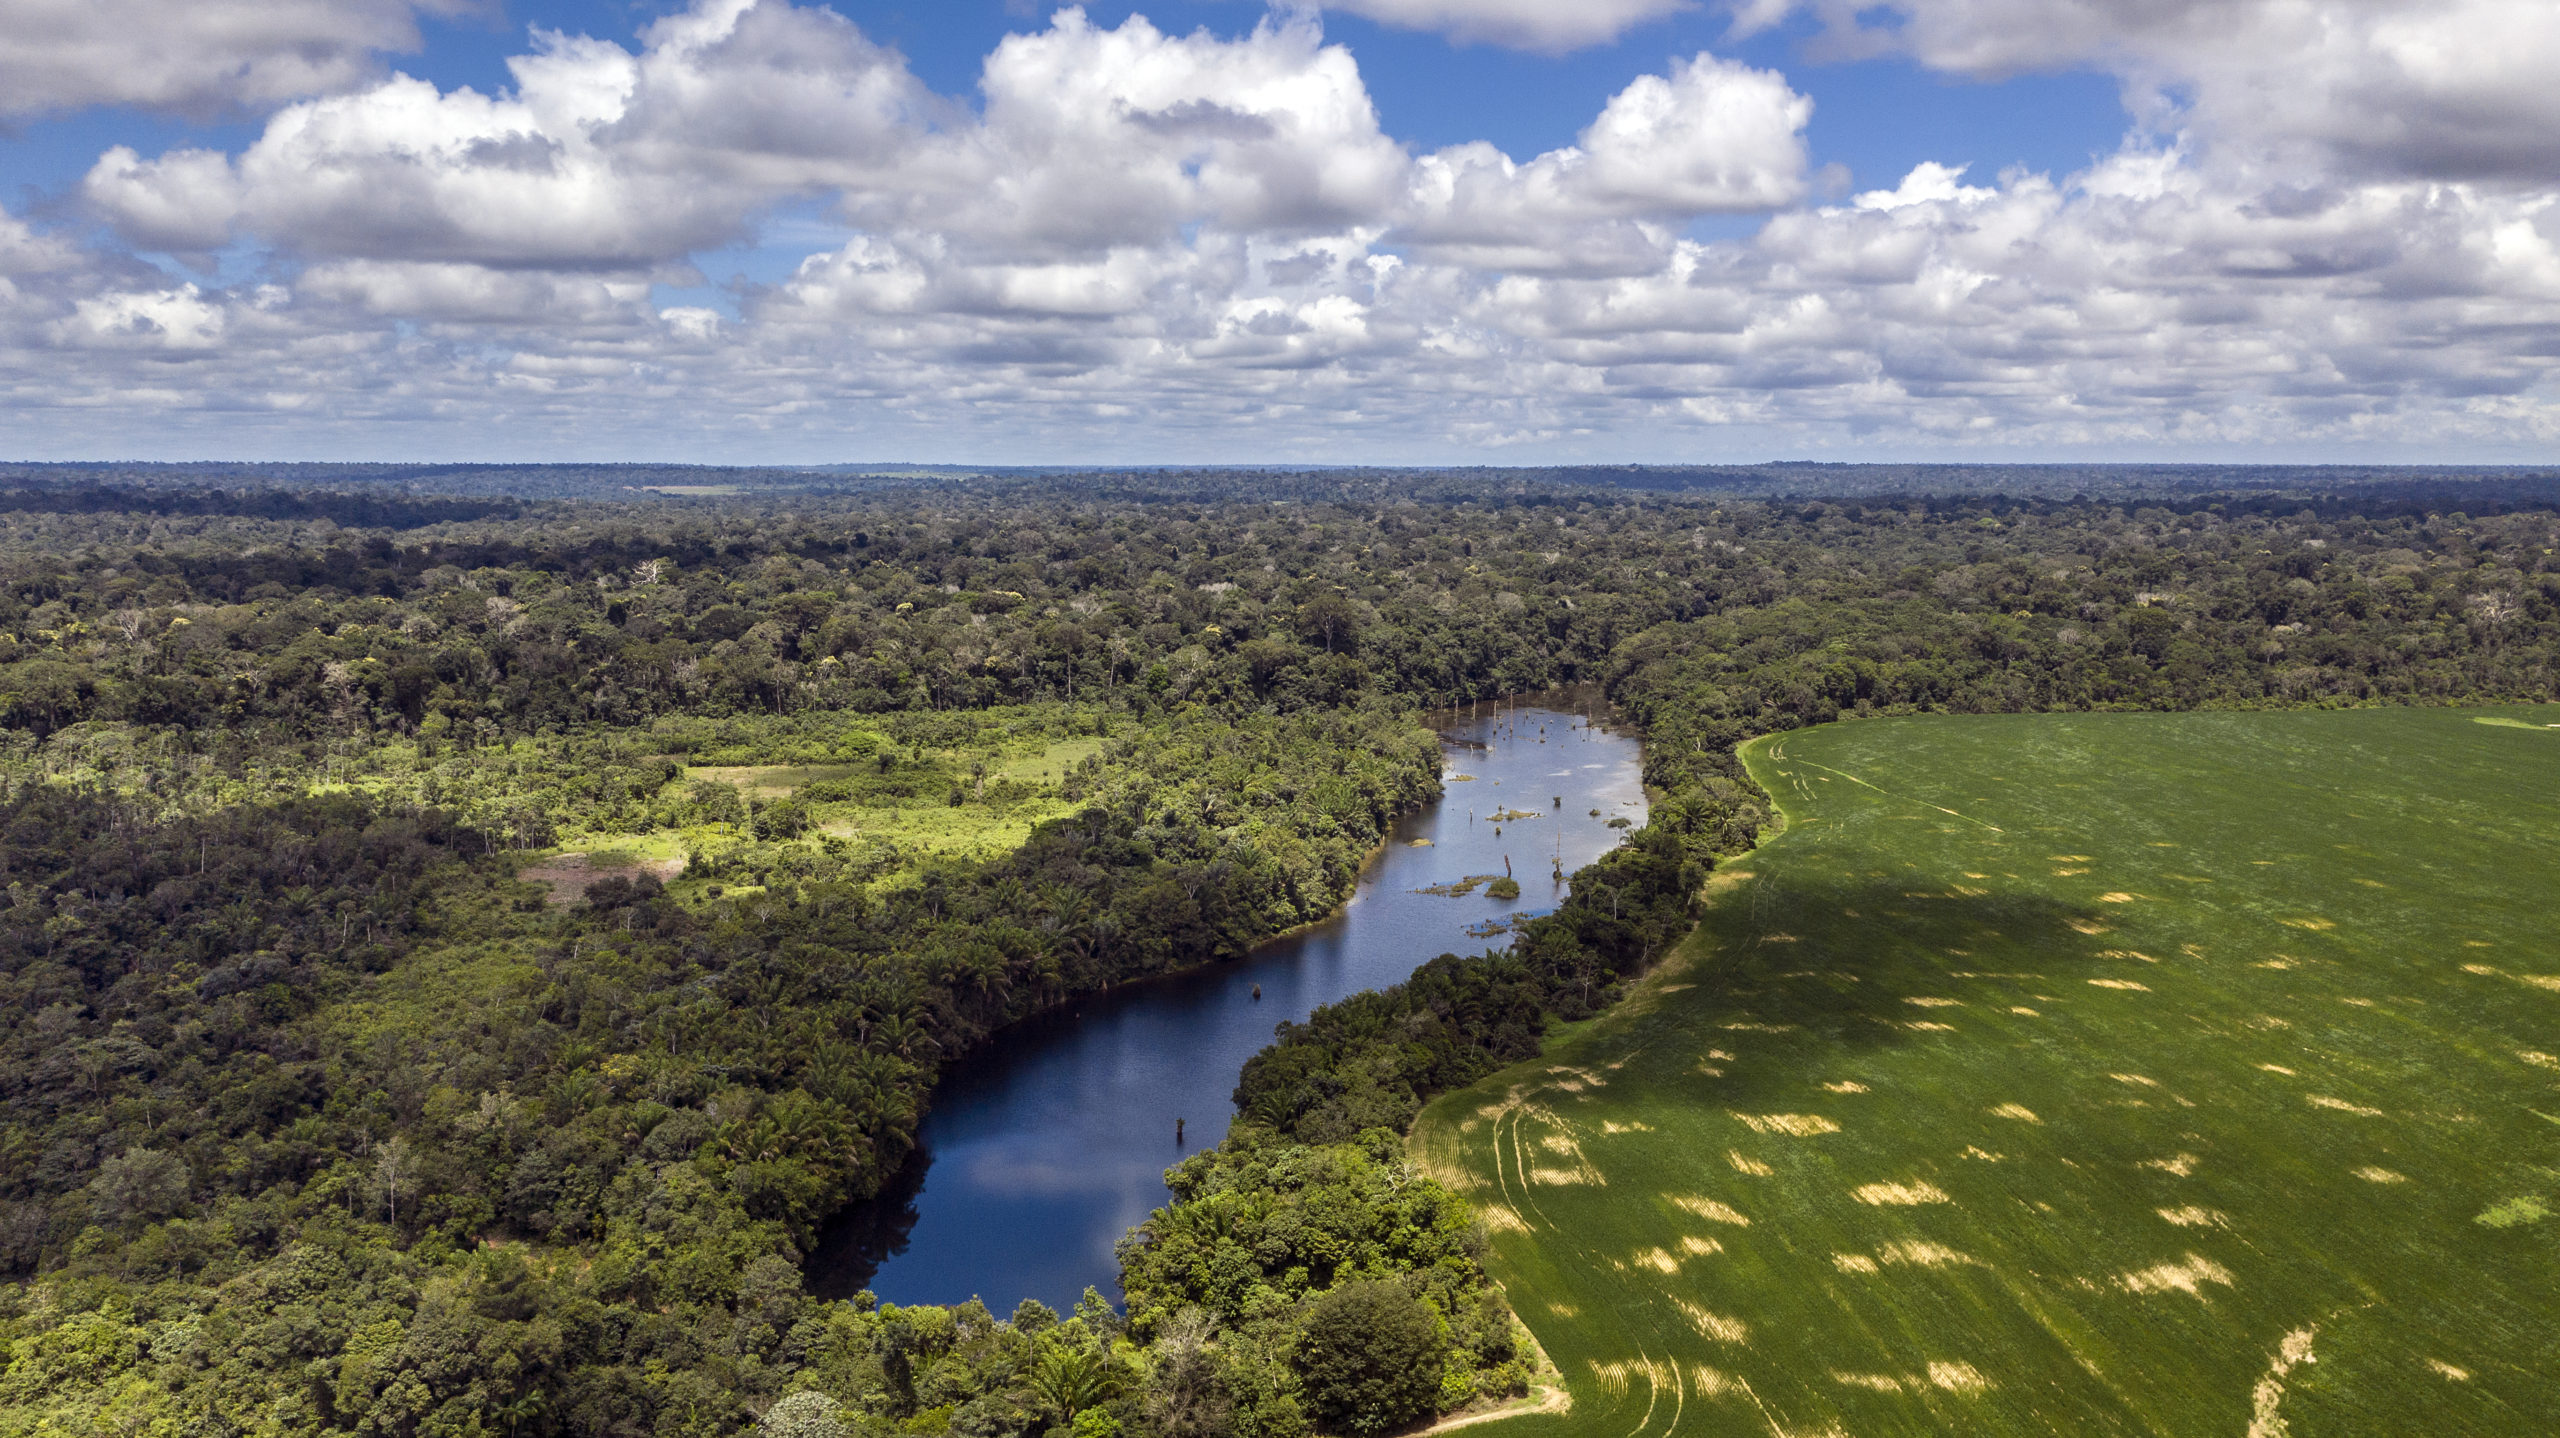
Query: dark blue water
(1048, 1145)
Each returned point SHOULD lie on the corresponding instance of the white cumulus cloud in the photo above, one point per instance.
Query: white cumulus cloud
(196, 56)
(2443, 88)
(1134, 242)
(1545, 25)
(598, 158)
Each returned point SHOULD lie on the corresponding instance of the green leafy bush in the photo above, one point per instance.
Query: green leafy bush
(1372, 1355)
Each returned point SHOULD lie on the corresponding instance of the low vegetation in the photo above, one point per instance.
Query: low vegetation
(2069, 1073)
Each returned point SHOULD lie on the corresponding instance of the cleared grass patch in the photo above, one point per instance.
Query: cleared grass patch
(2248, 1123)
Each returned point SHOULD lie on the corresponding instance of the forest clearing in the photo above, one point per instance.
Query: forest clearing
(2089, 1074)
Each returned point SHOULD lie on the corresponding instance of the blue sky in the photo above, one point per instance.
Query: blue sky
(1933, 228)
(1874, 118)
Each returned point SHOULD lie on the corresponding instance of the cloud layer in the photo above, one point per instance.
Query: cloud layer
(202, 57)
(1544, 25)
(2445, 89)
(1137, 243)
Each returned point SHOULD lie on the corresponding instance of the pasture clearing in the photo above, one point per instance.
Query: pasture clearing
(2090, 1074)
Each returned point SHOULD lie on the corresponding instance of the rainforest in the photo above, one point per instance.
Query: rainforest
(467, 934)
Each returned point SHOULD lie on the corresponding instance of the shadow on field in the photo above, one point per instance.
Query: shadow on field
(1874, 963)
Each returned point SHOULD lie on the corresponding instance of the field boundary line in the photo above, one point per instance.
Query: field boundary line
(1923, 803)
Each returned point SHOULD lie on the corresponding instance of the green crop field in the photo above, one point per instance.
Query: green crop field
(2109, 1074)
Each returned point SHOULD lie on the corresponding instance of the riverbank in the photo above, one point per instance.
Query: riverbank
(1050, 1141)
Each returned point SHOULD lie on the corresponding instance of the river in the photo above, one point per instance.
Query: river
(1048, 1144)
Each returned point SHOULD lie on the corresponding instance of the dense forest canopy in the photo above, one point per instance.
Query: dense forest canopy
(336, 1097)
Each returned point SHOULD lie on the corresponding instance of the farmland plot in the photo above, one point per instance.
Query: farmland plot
(2112, 1074)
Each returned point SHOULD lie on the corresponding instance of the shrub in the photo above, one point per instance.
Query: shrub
(1372, 1359)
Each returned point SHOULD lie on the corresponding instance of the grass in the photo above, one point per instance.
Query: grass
(2122, 1074)
(907, 811)
(771, 781)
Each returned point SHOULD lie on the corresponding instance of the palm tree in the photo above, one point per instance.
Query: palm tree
(1072, 1379)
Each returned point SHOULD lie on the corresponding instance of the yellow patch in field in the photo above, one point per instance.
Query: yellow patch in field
(1710, 1383)
(2541, 981)
(2135, 1079)
(2321, 1100)
(1558, 1143)
(2278, 1069)
(2021, 1009)
(1962, 892)
(1928, 1026)
(2018, 1111)
(1744, 1163)
(2539, 1060)
(1919, 1253)
(1745, 1026)
(2373, 883)
(2120, 984)
(1715, 1325)
(2126, 954)
(1899, 1195)
(1699, 1246)
(2068, 873)
(1874, 1382)
(2358, 1003)
(2266, 1400)
(2118, 897)
(1612, 1376)
(1958, 1377)
(1977, 876)
(1845, 1086)
(2477, 944)
(1565, 1177)
(2183, 1165)
(1984, 1154)
(2313, 924)
(2088, 926)
(2194, 1217)
(2448, 1371)
(1708, 1208)
(1855, 1263)
(1719, 1054)
(2486, 971)
(1656, 1259)
(2278, 964)
(1778, 938)
(1626, 1128)
(1935, 1003)
(2071, 858)
(1793, 1125)
(2188, 1277)
(1564, 1310)
(2371, 1174)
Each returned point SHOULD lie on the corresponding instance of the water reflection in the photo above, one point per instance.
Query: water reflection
(1045, 1147)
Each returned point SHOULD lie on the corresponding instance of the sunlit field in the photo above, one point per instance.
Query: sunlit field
(2133, 1074)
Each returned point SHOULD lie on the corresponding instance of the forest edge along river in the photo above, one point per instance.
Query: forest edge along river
(1050, 1142)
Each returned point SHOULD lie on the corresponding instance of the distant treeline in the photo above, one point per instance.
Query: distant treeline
(2475, 488)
